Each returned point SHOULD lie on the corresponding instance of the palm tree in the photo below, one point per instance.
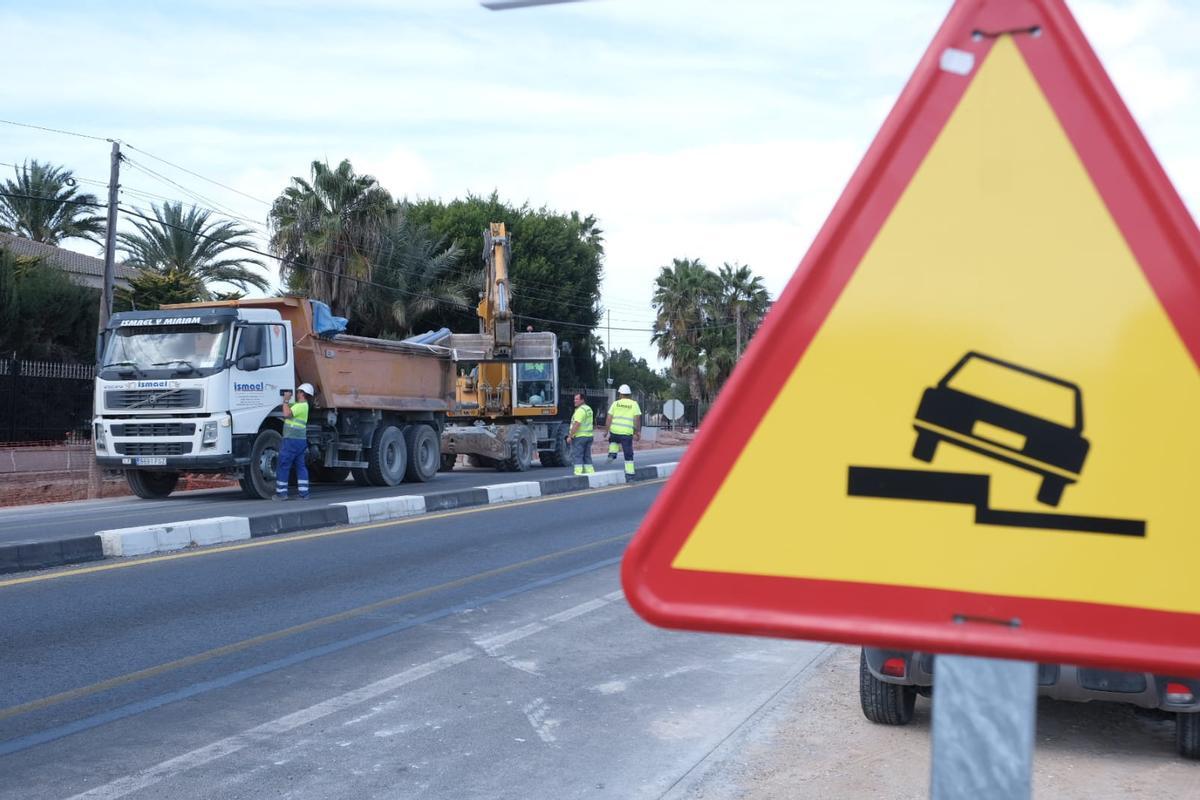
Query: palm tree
(186, 243)
(43, 204)
(682, 292)
(419, 270)
(744, 299)
(328, 230)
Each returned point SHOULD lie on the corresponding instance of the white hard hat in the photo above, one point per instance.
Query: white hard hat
(624, 389)
(307, 388)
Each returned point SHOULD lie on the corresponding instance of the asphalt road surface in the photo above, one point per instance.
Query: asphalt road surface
(478, 653)
(60, 520)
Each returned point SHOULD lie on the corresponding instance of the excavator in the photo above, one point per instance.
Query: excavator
(506, 392)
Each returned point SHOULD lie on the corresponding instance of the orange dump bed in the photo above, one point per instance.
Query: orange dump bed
(361, 373)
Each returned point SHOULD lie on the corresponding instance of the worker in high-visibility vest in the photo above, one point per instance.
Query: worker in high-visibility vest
(624, 428)
(294, 446)
(580, 436)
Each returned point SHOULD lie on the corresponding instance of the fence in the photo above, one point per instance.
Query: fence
(45, 401)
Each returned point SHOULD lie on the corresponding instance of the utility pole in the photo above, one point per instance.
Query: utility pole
(608, 360)
(95, 474)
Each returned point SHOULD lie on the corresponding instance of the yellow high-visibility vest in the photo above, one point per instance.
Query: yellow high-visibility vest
(623, 415)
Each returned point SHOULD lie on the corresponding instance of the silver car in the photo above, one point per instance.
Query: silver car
(890, 680)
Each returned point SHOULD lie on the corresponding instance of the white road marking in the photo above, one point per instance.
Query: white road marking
(264, 733)
(536, 713)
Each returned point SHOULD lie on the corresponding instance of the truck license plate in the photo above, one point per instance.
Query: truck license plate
(151, 461)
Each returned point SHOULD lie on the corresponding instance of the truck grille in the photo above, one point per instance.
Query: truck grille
(152, 448)
(155, 429)
(152, 398)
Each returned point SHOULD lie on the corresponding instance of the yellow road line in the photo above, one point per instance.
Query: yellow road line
(217, 652)
(268, 541)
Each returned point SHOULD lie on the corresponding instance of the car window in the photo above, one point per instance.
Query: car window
(1016, 390)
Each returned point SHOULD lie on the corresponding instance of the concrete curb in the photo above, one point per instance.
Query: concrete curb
(170, 536)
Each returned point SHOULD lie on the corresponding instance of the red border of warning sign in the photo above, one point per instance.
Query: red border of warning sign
(1165, 242)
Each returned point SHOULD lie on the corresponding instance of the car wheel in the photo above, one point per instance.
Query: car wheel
(1187, 734)
(1051, 491)
(925, 446)
(884, 703)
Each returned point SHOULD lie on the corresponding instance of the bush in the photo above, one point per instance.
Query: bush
(43, 314)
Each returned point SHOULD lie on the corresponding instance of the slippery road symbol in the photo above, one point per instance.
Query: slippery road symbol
(960, 412)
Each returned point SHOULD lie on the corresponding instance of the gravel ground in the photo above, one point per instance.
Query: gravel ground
(813, 741)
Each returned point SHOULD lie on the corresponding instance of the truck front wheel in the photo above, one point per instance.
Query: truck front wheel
(258, 479)
(151, 485)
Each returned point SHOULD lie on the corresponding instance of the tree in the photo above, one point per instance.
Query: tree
(327, 231)
(43, 314)
(150, 289)
(705, 319)
(186, 248)
(419, 270)
(43, 204)
(745, 299)
(683, 293)
(557, 264)
(638, 374)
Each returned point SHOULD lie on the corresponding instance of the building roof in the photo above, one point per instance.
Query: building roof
(66, 260)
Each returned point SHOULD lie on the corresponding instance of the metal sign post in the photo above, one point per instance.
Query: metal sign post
(984, 715)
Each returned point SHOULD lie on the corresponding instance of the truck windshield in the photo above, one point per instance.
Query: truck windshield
(535, 383)
(169, 347)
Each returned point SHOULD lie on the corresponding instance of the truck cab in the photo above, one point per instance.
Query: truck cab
(188, 390)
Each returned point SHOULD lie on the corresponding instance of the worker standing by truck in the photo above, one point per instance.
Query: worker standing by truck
(624, 428)
(293, 449)
(580, 436)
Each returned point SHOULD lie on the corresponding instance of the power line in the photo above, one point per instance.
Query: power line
(87, 203)
(54, 130)
(197, 175)
(212, 204)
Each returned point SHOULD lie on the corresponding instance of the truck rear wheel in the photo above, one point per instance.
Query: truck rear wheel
(258, 477)
(520, 452)
(424, 453)
(151, 485)
(387, 458)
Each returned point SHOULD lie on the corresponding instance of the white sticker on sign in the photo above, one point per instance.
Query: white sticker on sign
(960, 62)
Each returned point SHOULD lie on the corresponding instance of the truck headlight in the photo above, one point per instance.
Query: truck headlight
(210, 432)
(98, 438)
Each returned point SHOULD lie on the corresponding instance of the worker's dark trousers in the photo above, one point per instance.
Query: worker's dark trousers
(581, 454)
(623, 441)
(291, 452)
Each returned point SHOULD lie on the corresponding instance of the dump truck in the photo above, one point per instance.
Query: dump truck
(196, 388)
(506, 393)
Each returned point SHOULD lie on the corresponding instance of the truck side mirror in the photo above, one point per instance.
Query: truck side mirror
(251, 343)
(248, 363)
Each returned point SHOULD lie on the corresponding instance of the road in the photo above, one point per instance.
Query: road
(61, 520)
(479, 653)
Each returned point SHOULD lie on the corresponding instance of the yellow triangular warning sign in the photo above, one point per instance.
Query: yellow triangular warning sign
(977, 398)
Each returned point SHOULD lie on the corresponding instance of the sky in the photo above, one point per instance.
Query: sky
(723, 131)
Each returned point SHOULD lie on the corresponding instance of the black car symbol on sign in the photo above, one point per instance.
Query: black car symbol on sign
(955, 411)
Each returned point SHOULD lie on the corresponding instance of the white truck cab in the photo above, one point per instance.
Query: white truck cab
(187, 390)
